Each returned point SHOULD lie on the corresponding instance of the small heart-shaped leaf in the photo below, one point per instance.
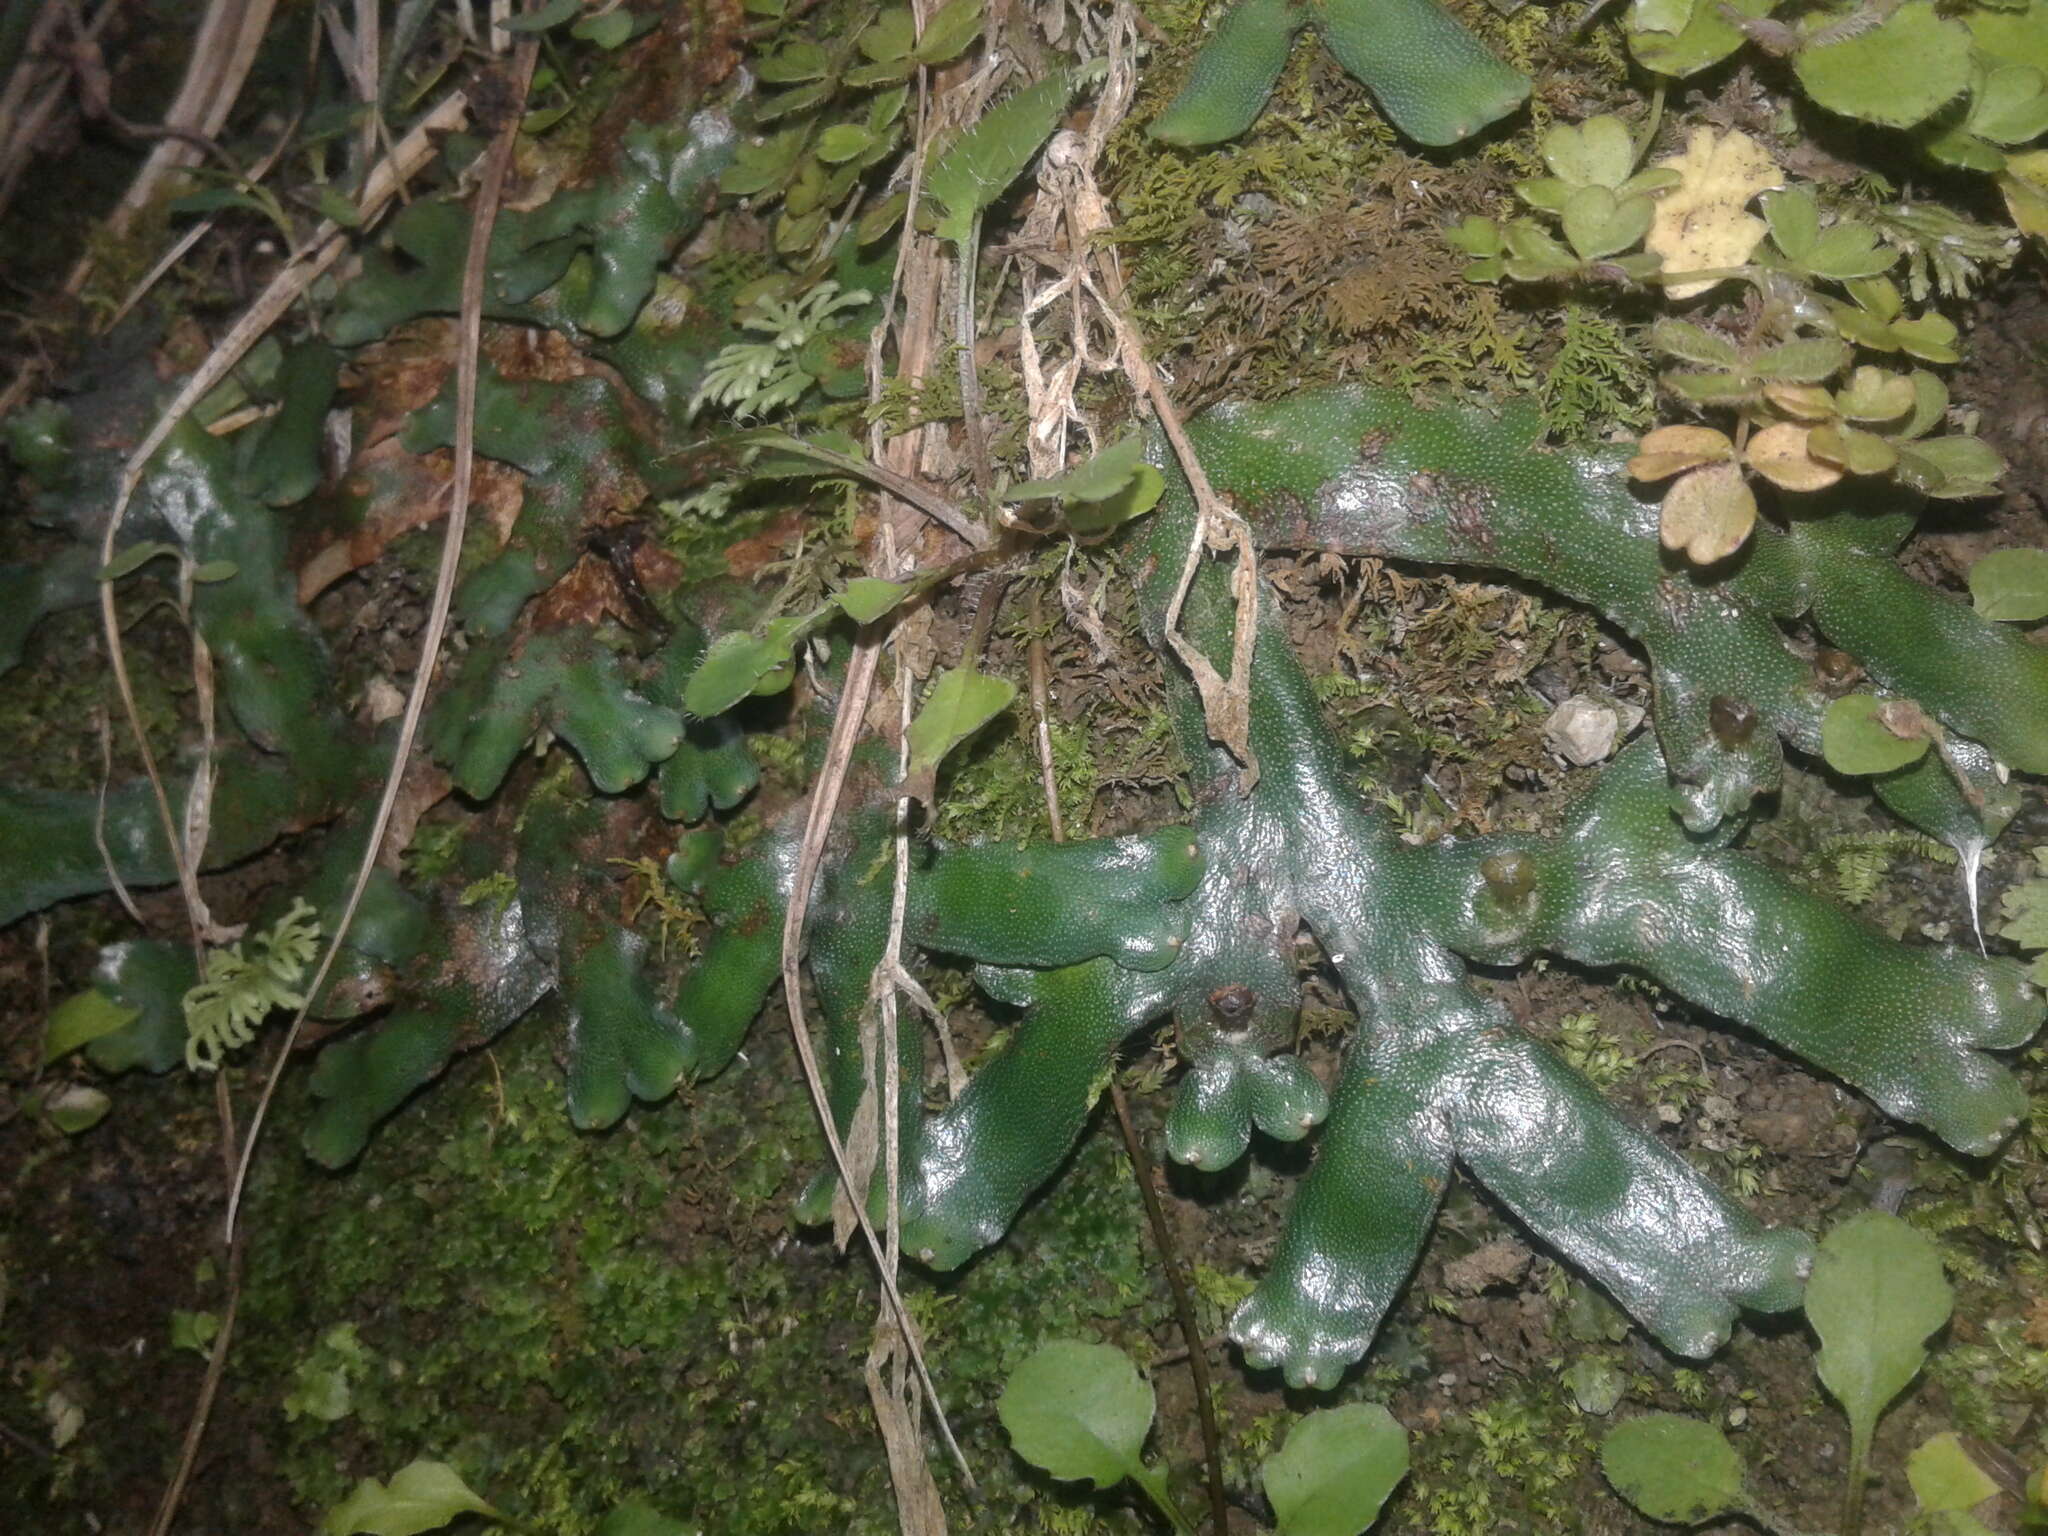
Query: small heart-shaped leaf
(1778, 453)
(1857, 451)
(1597, 153)
(1708, 513)
(1875, 394)
(1668, 451)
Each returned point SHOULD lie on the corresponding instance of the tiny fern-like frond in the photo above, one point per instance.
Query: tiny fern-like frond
(239, 991)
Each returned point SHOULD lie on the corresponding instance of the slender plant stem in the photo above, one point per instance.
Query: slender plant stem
(1154, 1484)
(1859, 1475)
(1183, 1308)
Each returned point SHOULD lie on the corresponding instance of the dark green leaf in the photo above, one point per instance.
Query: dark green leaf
(553, 14)
(793, 62)
(135, 557)
(842, 141)
(798, 98)
(950, 30)
(614, 29)
(639, 1520)
(890, 36)
(1673, 1468)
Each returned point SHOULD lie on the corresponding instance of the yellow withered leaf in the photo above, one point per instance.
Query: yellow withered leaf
(1703, 222)
(1667, 451)
(1778, 453)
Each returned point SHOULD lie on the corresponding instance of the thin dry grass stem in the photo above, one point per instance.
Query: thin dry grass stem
(326, 247)
(184, 243)
(223, 49)
(469, 327)
(35, 90)
(919, 1509)
(1183, 1309)
(99, 822)
(1067, 185)
(412, 152)
(1041, 714)
(897, 1356)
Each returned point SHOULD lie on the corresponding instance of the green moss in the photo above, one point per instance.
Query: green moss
(573, 1319)
(1515, 1465)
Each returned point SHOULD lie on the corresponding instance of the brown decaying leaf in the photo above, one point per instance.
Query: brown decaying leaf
(1778, 453)
(1666, 451)
(1708, 513)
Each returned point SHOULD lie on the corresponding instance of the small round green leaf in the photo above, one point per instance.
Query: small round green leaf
(1673, 1468)
(2011, 584)
(1597, 153)
(1335, 1471)
(1078, 1411)
(1855, 739)
(1596, 1385)
(1895, 73)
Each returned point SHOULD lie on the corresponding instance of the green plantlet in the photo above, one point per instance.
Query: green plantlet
(753, 379)
(1876, 1296)
(1081, 1412)
(239, 991)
